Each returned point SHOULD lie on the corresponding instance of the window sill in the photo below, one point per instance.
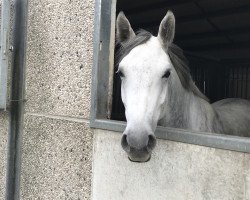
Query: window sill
(227, 142)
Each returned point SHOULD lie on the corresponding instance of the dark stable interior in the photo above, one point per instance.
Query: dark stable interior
(215, 36)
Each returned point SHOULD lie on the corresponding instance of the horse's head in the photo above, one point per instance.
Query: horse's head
(145, 70)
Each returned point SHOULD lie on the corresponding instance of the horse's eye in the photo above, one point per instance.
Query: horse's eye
(167, 74)
(119, 72)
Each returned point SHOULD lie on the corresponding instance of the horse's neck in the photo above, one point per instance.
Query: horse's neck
(202, 116)
(186, 110)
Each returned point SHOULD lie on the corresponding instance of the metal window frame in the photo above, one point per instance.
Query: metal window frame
(4, 58)
(101, 73)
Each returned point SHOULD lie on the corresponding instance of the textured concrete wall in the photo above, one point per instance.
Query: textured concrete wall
(57, 141)
(56, 159)
(176, 171)
(3, 150)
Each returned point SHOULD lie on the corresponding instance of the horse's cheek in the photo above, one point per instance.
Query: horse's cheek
(162, 100)
(123, 94)
(163, 95)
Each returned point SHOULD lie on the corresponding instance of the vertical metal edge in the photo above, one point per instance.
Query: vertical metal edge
(94, 84)
(4, 59)
(101, 60)
(104, 60)
(111, 58)
(96, 42)
(16, 101)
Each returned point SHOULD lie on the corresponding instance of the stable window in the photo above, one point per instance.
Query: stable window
(215, 37)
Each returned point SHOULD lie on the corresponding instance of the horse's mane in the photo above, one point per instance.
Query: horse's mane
(175, 53)
(180, 64)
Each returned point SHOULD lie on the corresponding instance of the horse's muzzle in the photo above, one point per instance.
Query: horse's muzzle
(141, 154)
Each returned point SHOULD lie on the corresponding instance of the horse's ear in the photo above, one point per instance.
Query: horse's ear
(124, 30)
(167, 29)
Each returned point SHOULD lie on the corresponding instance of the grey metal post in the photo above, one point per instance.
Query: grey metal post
(16, 101)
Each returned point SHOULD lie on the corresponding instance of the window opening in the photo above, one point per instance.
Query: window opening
(214, 36)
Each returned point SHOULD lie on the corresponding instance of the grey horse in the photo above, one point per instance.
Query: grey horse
(157, 89)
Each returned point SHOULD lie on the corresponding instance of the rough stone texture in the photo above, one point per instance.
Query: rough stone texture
(57, 148)
(3, 150)
(59, 57)
(56, 160)
(176, 171)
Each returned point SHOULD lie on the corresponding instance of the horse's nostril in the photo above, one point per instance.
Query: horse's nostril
(151, 143)
(124, 143)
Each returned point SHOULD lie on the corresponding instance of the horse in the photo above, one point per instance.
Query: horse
(157, 89)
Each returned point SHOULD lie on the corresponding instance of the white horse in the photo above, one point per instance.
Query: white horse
(157, 88)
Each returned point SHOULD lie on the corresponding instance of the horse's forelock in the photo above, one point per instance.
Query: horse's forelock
(123, 49)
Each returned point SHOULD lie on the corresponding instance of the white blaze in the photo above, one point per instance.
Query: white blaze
(143, 89)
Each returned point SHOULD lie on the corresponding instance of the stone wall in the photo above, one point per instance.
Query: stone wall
(3, 150)
(57, 140)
